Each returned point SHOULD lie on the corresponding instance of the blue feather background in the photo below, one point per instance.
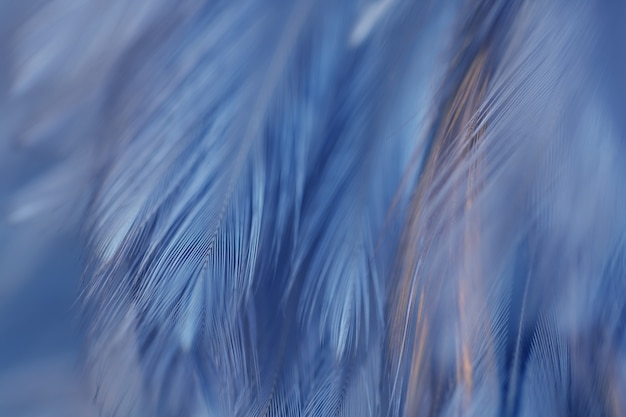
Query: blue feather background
(312, 208)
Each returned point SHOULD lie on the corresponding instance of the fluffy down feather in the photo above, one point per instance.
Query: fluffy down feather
(320, 208)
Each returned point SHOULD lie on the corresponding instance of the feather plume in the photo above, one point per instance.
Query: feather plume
(517, 117)
(316, 208)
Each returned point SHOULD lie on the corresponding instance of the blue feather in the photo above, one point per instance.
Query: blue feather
(519, 168)
(317, 208)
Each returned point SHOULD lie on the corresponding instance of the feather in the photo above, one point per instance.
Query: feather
(359, 208)
(545, 390)
(188, 220)
(504, 106)
(192, 221)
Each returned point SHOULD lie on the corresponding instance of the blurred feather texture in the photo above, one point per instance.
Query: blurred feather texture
(313, 208)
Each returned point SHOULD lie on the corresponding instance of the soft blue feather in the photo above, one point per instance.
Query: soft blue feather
(318, 208)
